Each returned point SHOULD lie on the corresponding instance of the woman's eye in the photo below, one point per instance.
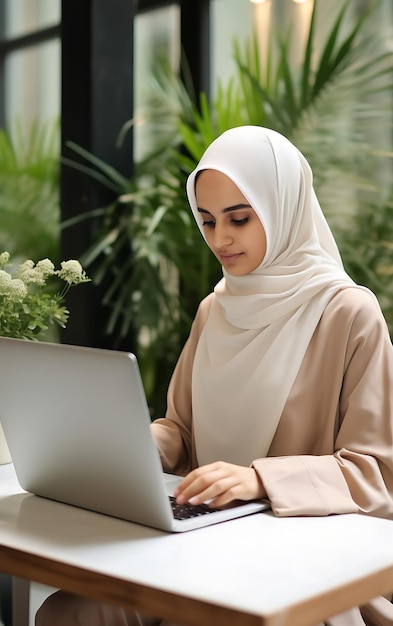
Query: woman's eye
(240, 222)
(235, 222)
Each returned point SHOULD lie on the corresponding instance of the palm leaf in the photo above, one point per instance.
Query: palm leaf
(29, 173)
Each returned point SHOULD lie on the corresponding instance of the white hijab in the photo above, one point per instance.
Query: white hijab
(259, 326)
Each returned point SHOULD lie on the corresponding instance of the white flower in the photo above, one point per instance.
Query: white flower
(4, 258)
(13, 288)
(26, 265)
(46, 266)
(36, 274)
(72, 272)
(18, 290)
(5, 280)
(27, 309)
(30, 274)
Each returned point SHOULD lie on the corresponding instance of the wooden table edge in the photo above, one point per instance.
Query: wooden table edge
(120, 592)
(191, 611)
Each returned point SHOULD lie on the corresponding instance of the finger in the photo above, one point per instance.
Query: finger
(205, 493)
(196, 489)
(232, 483)
(187, 487)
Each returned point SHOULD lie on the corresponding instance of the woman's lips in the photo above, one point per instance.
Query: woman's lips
(230, 258)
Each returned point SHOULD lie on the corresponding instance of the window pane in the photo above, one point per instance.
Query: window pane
(229, 19)
(156, 40)
(32, 79)
(25, 16)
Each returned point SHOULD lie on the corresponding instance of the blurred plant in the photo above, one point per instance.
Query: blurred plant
(367, 250)
(29, 191)
(335, 105)
(149, 251)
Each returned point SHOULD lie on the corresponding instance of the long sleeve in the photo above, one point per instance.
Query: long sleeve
(333, 449)
(173, 434)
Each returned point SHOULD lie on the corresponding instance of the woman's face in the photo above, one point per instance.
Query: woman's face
(232, 229)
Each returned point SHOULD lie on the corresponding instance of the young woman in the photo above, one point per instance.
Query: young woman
(284, 387)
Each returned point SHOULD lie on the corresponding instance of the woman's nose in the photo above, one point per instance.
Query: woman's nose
(222, 236)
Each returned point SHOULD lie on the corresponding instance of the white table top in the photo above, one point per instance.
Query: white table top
(274, 570)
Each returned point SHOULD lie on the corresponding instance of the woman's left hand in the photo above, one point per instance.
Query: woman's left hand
(218, 484)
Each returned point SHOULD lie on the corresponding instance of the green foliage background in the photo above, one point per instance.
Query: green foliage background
(29, 191)
(335, 106)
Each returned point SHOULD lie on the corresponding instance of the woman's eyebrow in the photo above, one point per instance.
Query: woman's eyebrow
(235, 207)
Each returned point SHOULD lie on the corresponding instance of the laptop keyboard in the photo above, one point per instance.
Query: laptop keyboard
(187, 511)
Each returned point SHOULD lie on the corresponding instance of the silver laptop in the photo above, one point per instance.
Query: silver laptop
(78, 428)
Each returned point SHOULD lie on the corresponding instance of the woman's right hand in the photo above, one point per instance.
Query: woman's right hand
(220, 483)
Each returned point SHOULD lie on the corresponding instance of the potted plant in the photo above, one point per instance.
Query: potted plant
(28, 304)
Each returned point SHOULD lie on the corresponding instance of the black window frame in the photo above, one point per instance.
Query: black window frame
(92, 64)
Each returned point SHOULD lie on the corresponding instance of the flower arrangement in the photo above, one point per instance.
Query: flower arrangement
(27, 309)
